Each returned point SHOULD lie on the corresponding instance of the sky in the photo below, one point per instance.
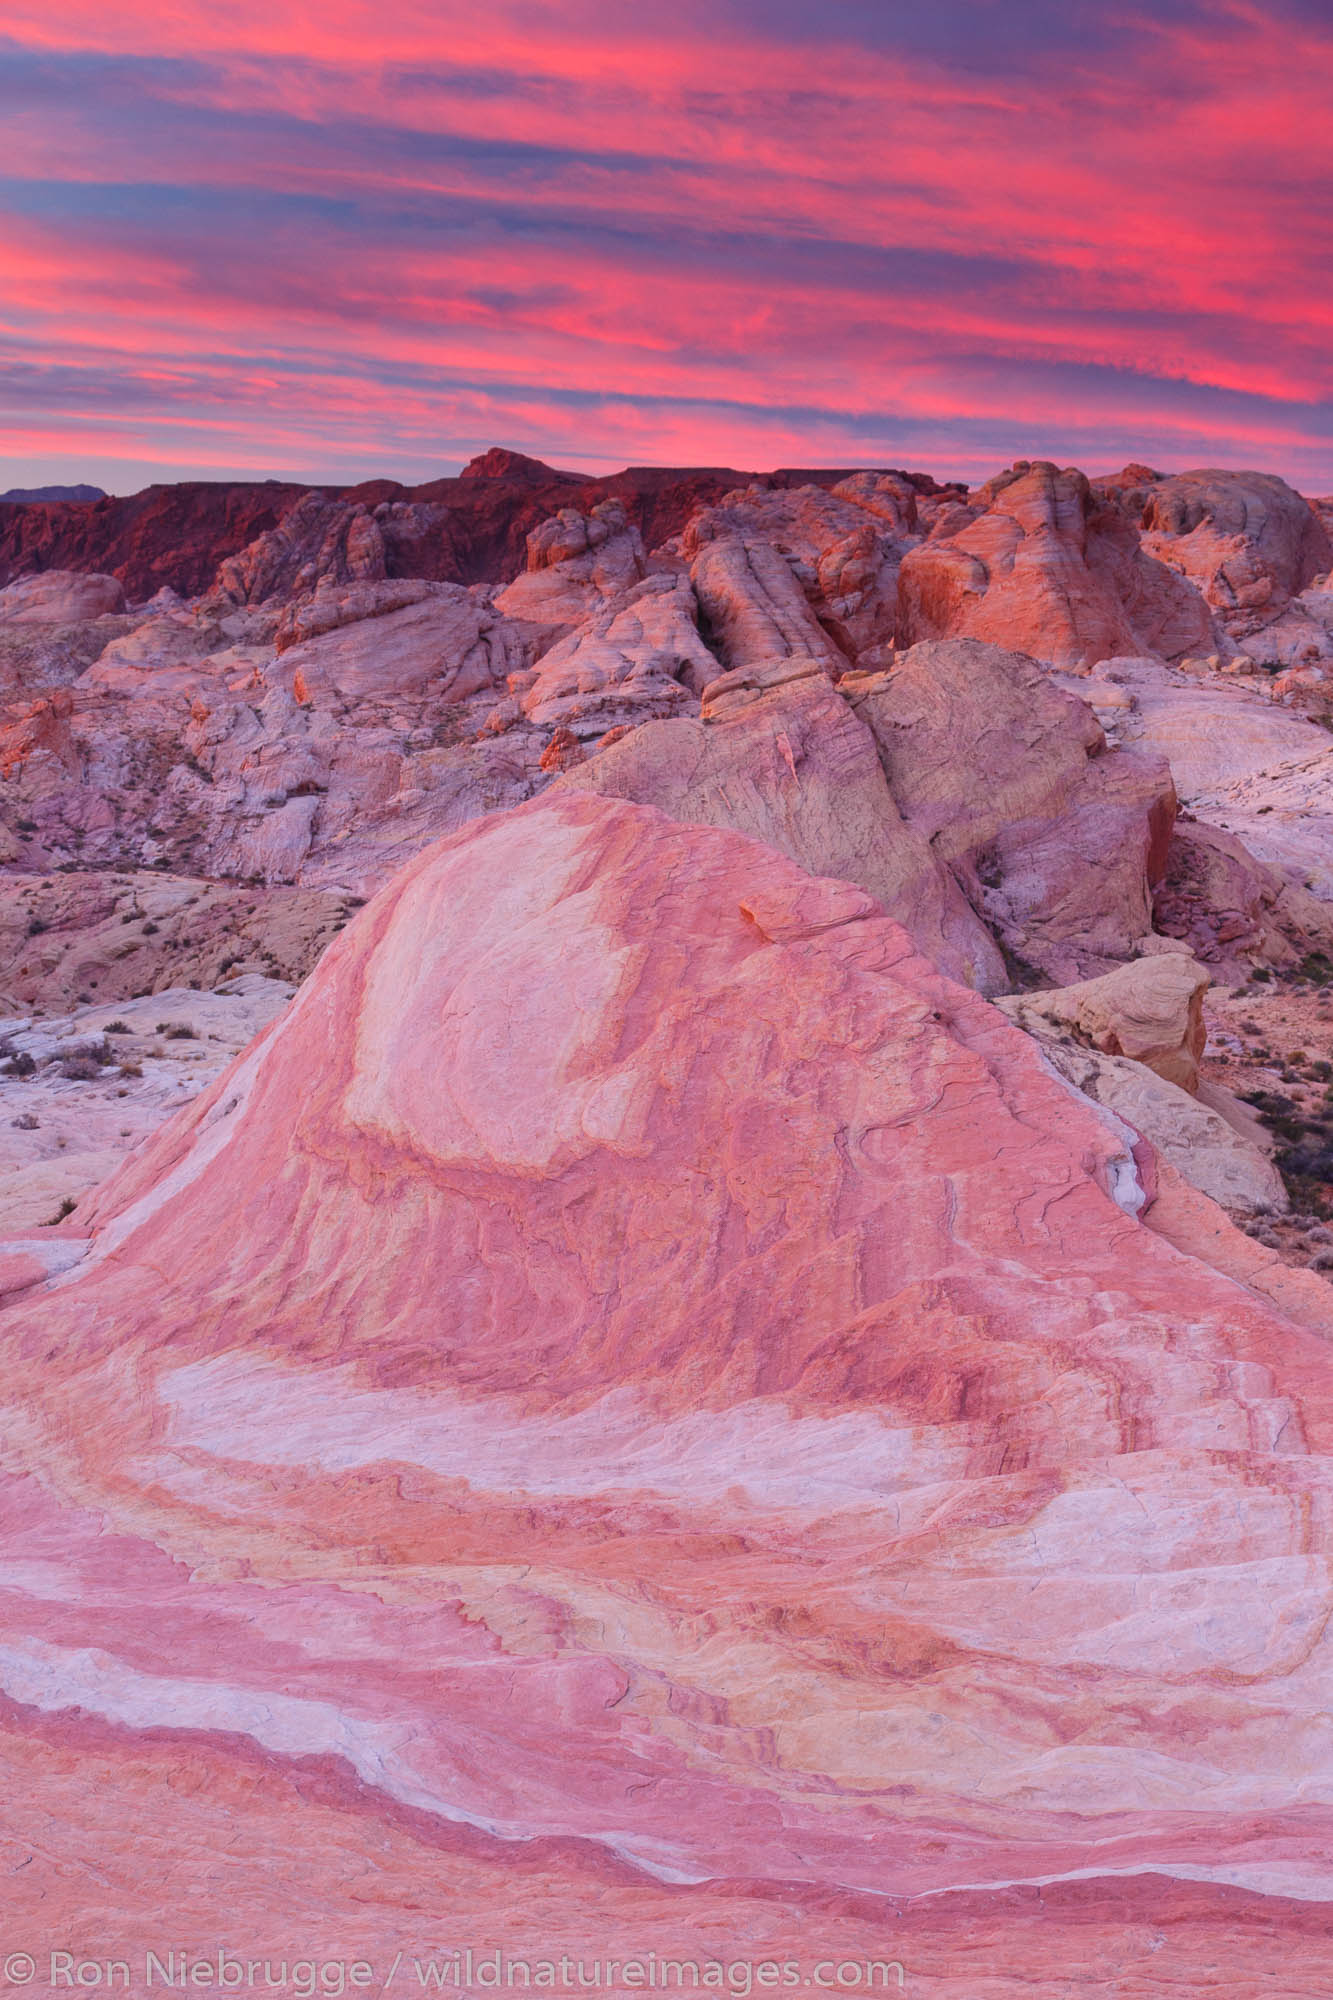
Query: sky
(334, 240)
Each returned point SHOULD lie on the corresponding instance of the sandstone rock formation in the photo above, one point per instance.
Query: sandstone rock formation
(842, 548)
(1150, 1010)
(1245, 539)
(454, 530)
(59, 597)
(1132, 1041)
(1057, 841)
(641, 1418)
(576, 563)
(1037, 563)
(1194, 1140)
(637, 657)
(1233, 910)
(778, 755)
(1240, 762)
(318, 541)
(166, 535)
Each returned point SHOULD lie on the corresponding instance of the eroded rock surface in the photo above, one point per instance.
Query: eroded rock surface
(1245, 539)
(1055, 839)
(1241, 762)
(1150, 1010)
(678, 1410)
(638, 1406)
(1036, 562)
(778, 755)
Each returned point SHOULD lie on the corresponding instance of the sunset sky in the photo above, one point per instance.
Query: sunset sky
(246, 237)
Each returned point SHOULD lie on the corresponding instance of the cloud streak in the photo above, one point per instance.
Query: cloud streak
(331, 244)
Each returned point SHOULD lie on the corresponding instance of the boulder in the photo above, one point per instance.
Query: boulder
(754, 605)
(637, 658)
(60, 597)
(843, 548)
(1246, 540)
(1195, 1140)
(1150, 1010)
(576, 563)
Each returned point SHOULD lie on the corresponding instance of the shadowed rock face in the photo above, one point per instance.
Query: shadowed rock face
(1054, 839)
(1245, 539)
(638, 1397)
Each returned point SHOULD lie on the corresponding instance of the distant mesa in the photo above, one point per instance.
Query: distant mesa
(497, 463)
(19, 493)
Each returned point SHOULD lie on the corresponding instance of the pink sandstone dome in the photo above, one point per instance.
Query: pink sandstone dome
(639, 1414)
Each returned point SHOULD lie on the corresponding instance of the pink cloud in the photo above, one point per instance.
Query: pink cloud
(697, 245)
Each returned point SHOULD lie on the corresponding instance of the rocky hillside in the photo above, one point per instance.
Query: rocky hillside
(668, 1216)
(462, 530)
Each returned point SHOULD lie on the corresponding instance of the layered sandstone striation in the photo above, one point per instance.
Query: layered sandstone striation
(639, 1416)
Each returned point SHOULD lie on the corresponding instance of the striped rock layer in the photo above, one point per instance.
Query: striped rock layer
(639, 1421)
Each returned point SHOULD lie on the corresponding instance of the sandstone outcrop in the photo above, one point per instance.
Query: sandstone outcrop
(468, 529)
(329, 762)
(1193, 1139)
(843, 548)
(576, 564)
(60, 597)
(1055, 840)
(318, 544)
(1150, 1010)
(1245, 539)
(167, 535)
(1233, 910)
(637, 658)
(779, 756)
(1132, 1041)
(1037, 563)
(1240, 762)
(634, 1413)
(678, 1427)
